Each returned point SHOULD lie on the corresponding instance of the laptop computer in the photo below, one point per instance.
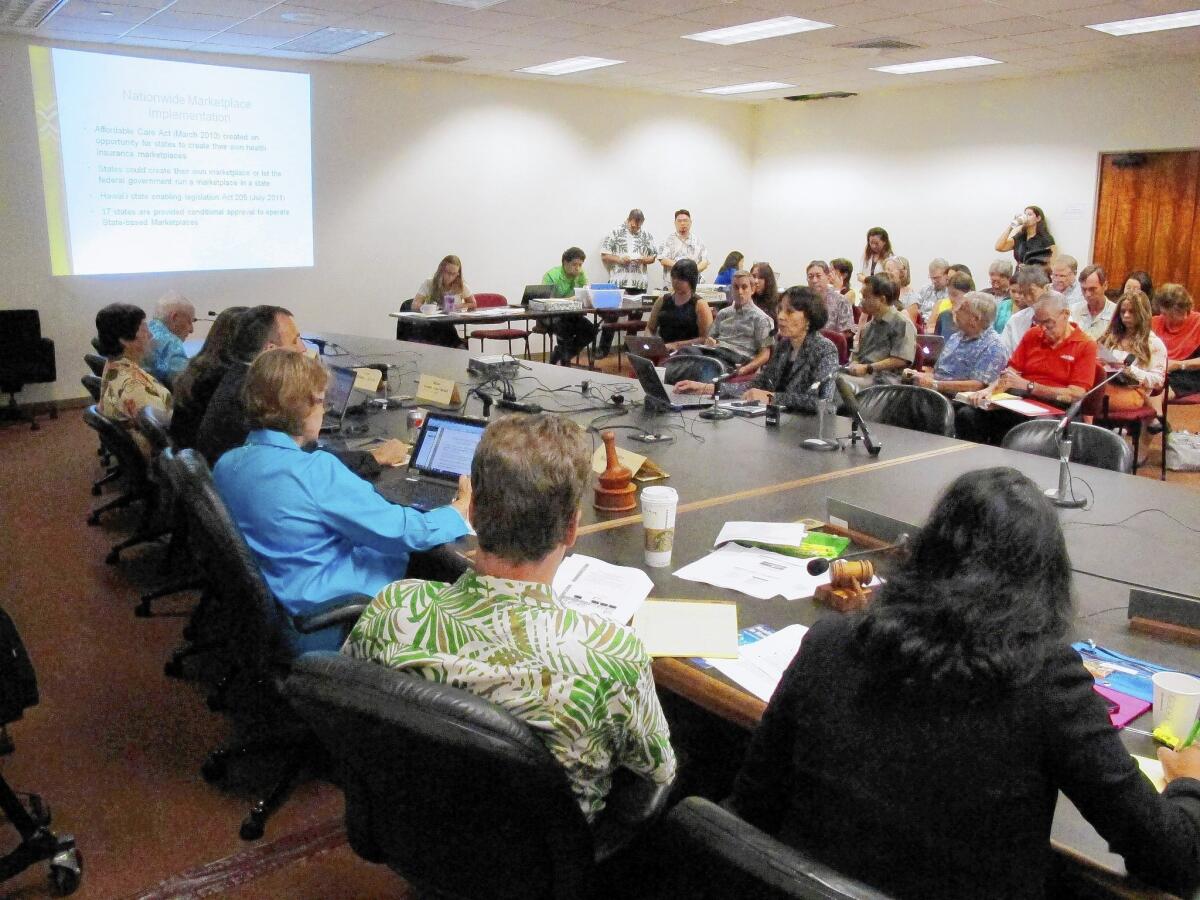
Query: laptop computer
(536, 292)
(648, 345)
(657, 394)
(337, 398)
(443, 451)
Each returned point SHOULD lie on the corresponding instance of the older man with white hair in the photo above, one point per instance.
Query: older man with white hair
(973, 356)
(934, 292)
(174, 319)
(1064, 272)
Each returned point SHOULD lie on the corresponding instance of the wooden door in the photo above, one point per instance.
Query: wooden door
(1147, 216)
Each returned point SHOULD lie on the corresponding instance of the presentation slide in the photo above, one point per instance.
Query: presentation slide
(154, 166)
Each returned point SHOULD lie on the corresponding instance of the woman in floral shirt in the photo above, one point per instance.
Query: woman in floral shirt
(125, 387)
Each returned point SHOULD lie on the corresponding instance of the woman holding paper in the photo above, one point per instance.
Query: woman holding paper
(920, 745)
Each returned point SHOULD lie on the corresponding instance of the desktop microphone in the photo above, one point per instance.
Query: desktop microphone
(820, 565)
(821, 442)
(857, 422)
(1074, 408)
(714, 412)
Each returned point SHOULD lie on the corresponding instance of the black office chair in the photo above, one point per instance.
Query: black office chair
(908, 406)
(92, 384)
(25, 358)
(1090, 444)
(138, 486)
(708, 853)
(257, 635)
(95, 363)
(458, 796)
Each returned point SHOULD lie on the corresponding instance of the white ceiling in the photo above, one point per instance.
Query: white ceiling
(1031, 37)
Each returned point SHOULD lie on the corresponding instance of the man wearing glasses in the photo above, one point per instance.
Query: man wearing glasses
(1054, 363)
(174, 320)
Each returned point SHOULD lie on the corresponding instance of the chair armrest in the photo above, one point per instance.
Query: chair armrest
(348, 609)
(637, 801)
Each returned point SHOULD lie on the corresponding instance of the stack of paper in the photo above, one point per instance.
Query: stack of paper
(761, 664)
(601, 589)
(754, 571)
(783, 534)
(688, 628)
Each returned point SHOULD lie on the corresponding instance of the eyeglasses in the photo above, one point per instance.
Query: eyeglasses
(1042, 323)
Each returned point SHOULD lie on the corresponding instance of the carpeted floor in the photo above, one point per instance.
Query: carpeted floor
(115, 746)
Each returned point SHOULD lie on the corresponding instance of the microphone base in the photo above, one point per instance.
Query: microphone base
(715, 413)
(820, 444)
(1064, 502)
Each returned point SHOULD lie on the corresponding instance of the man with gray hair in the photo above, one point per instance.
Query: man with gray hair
(581, 681)
(174, 320)
(626, 251)
(1063, 271)
(1027, 290)
(934, 292)
(1054, 363)
(973, 356)
(841, 316)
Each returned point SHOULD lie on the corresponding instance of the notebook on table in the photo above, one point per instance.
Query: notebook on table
(657, 393)
(443, 451)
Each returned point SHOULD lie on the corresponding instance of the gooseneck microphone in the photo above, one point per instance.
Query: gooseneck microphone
(713, 411)
(857, 423)
(820, 565)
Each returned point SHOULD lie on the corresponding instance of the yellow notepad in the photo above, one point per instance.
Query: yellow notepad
(688, 628)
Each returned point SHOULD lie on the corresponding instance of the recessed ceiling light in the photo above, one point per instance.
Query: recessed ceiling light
(1188, 19)
(332, 40)
(106, 13)
(937, 65)
(748, 88)
(757, 31)
(470, 4)
(574, 64)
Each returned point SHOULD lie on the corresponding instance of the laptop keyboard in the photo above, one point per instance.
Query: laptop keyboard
(425, 495)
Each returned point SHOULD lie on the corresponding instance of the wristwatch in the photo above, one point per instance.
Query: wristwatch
(870, 368)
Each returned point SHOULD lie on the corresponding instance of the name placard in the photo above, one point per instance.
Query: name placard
(442, 391)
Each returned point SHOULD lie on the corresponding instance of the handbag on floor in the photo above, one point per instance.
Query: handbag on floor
(1183, 451)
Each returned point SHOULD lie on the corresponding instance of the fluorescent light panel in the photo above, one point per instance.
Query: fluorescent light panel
(1188, 19)
(757, 31)
(574, 64)
(937, 65)
(332, 40)
(748, 88)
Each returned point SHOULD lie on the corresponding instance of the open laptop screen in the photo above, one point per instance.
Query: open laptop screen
(447, 445)
(339, 389)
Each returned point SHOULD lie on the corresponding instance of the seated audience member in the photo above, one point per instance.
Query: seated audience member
(125, 387)
(1028, 237)
(955, 268)
(733, 263)
(681, 317)
(197, 383)
(740, 335)
(933, 293)
(318, 532)
(174, 320)
(1129, 332)
(1093, 313)
(1055, 363)
(1179, 327)
(447, 281)
(766, 291)
(572, 333)
(888, 343)
(1000, 274)
(840, 270)
(225, 425)
(957, 287)
(1027, 290)
(973, 356)
(802, 357)
(1138, 280)
(583, 683)
(898, 269)
(920, 745)
(841, 315)
(1064, 271)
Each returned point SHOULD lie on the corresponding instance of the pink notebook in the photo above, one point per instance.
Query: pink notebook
(1128, 708)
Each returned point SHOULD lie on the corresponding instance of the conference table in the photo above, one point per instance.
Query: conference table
(740, 469)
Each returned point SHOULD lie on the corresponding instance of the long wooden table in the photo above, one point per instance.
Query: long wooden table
(740, 469)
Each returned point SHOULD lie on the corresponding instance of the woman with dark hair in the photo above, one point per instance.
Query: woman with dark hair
(766, 290)
(801, 357)
(921, 745)
(196, 384)
(732, 263)
(1028, 237)
(125, 387)
(1129, 332)
(839, 276)
(1139, 280)
(877, 251)
(681, 317)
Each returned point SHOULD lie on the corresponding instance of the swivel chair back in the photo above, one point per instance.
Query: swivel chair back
(92, 384)
(1090, 444)
(457, 795)
(95, 362)
(119, 443)
(155, 428)
(908, 406)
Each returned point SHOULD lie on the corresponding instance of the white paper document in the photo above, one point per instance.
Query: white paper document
(601, 589)
(785, 534)
(754, 571)
(761, 664)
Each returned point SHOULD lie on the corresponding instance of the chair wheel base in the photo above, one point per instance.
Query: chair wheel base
(173, 668)
(142, 610)
(113, 557)
(66, 871)
(96, 490)
(252, 826)
(93, 519)
(215, 767)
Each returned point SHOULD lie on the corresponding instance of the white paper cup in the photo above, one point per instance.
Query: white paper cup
(1176, 702)
(658, 518)
(429, 309)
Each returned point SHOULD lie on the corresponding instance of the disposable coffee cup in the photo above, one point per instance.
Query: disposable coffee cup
(1176, 702)
(658, 518)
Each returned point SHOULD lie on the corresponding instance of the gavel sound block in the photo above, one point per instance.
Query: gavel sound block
(848, 589)
(614, 491)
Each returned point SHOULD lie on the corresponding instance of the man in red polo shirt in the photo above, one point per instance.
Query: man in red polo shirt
(1055, 362)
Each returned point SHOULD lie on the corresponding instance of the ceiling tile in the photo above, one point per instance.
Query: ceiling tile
(341, 7)
(169, 18)
(151, 32)
(241, 9)
(492, 20)
(666, 7)
(899, 27)
(967, 16)
(88, 10)
(272, 27)
(1019, 25)
(544, 9)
